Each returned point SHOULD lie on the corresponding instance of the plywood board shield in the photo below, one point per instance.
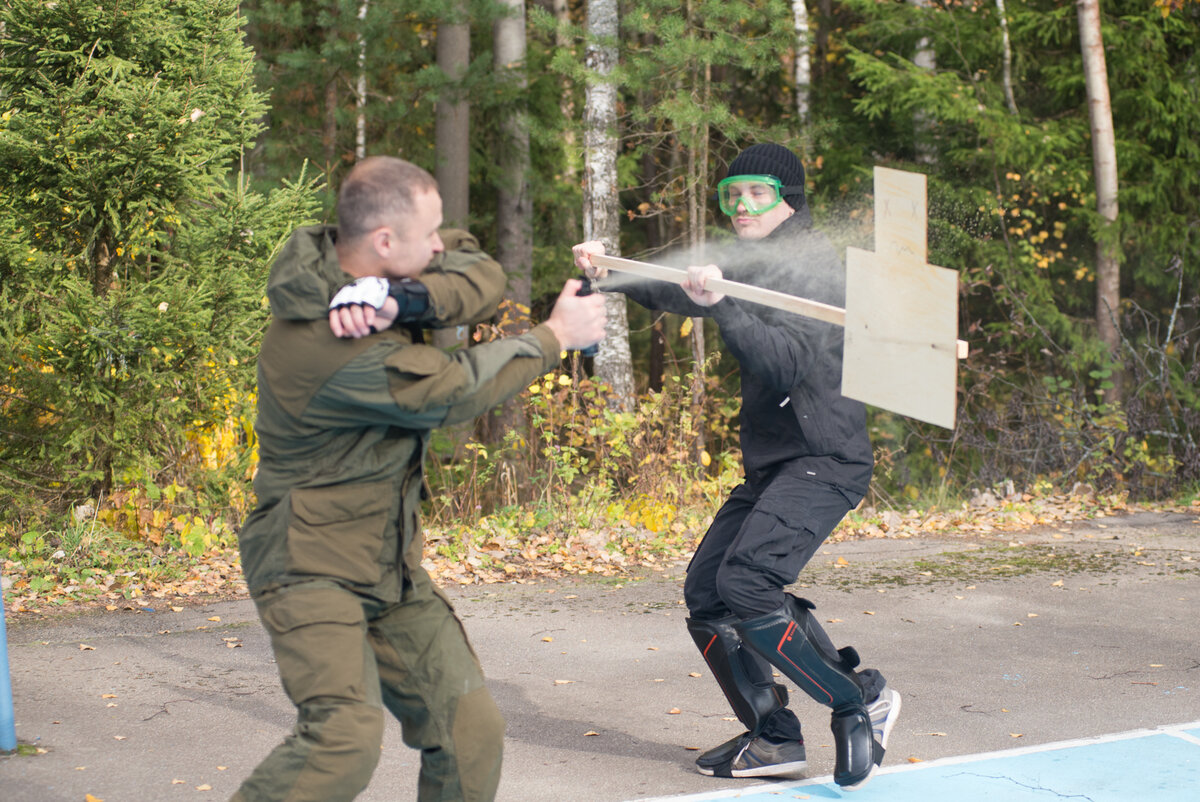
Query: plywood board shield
(901, 323)
(901, 350)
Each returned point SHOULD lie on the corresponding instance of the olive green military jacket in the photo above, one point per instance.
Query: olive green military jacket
(343, 424)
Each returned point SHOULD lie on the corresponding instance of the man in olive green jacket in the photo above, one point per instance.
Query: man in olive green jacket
(332, 552)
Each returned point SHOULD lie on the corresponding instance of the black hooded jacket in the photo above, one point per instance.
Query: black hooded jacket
(794, 418)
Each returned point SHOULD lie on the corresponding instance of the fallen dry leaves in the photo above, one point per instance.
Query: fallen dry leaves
(217, 573)
(555, 551)
(986, 513)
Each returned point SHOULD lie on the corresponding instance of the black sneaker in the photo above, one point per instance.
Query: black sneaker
(719, 756)
(763, 756)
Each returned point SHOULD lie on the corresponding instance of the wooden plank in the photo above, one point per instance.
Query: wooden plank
(746, 292)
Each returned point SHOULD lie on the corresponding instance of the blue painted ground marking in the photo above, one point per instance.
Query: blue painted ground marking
(1161, 765)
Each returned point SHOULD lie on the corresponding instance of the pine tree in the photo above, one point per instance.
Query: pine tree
(132, 252)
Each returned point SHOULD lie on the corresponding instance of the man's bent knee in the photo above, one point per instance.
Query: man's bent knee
(344, 737)
(330, 756)
(749, 591)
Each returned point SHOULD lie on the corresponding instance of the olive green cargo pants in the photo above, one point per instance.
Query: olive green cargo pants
(342, 659)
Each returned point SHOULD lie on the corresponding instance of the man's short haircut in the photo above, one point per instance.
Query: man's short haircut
(376, 192)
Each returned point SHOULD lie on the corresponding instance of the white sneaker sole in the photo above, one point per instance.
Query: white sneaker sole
(861, 782)
(791, 770)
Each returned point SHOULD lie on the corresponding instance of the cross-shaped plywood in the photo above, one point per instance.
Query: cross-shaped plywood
(901, 351)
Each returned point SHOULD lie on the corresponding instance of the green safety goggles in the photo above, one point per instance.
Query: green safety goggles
(756, 194)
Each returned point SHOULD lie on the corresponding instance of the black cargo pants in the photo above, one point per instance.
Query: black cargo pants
(758, 543)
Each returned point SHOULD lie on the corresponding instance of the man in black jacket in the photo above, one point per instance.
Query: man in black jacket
(807, 461)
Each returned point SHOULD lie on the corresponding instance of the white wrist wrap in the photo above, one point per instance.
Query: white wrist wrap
(370, 290)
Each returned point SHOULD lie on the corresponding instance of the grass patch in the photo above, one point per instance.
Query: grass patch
(95, 563)
(972, 565)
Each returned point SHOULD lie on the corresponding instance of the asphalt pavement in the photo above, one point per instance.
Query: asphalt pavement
(995, 642)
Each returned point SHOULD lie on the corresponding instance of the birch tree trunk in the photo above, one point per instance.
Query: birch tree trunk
(802, 69)
(697, 177)
(601, 204)
(696, 193)
(1104, 161)
(1009, 98)
(926, 59)
(360, 87)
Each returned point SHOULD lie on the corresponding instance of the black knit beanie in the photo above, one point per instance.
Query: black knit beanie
(776, 160)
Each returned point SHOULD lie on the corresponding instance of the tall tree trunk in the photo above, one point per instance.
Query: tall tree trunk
(1104, 160)
(1009, 98)
(452, 135)
(655, 241)
(329, 122)
(566, 104)
(697, 183)
(824, 26)
(360, 87)
(601, 204)
(697, 173)
(697, 194)
(926, 59)
(802, 68)
(329, 135)
(514, 213)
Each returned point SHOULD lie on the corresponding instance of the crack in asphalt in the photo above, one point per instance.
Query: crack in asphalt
(1026, 786)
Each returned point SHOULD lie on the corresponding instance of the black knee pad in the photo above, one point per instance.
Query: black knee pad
(791, 640)
(857, 753)
(744, 677)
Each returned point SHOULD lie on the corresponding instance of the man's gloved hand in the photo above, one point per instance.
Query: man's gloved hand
(369, 290)
(373, 303)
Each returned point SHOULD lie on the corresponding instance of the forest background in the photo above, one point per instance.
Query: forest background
(154, 157)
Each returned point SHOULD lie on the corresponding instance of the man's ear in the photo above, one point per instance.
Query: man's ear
(383, 239)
